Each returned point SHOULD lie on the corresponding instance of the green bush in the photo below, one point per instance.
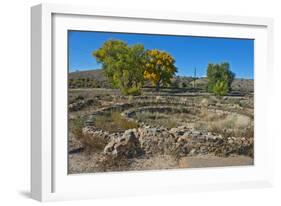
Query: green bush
(220, 88)
(131, 91)
(219, 78)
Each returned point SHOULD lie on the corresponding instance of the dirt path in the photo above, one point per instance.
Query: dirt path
(214, 161)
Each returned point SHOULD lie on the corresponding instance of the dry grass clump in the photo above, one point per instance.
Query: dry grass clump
(144, 116)
(226, 125)
(90, 142)
(122, 122)
(169, 123)
(231, 122)
(201, 126)
(93, 143)
(174, 152)
(114, 122)
(206, 115)
(232, 125)
(221, 124)
(157, 119)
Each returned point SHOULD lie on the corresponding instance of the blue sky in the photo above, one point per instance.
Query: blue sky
(188, 51)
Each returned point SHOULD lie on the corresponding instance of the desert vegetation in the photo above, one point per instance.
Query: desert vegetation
(135, 114)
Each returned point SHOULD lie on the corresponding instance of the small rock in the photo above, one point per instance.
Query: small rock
(192, 152)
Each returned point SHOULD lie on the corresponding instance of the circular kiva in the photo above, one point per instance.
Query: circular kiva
(179, 140)
(129, 109)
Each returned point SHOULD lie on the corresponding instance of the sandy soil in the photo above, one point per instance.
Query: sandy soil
(81, 163)
(214, 161)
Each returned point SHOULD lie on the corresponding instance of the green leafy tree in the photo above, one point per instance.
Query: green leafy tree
(219, 78)
(159, 68)
(123, 65)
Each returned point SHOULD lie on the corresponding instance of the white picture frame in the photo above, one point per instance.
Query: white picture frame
(49, 179)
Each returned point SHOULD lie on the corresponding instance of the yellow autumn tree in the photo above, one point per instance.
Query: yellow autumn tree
(159, 68)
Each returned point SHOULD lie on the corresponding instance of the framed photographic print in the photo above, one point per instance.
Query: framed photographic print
(137, 102)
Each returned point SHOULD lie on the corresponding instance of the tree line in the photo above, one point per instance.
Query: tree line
(127, 67)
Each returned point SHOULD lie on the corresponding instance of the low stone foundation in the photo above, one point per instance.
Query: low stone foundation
(176, 141)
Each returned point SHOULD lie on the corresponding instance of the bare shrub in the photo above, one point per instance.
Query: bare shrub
(114, 122)
(122, 122)
(201, 126)
(174, 151)
(76, 127)
(249, 132)
(233, 124)
(100, 121)
(93, 143)
(90, 142)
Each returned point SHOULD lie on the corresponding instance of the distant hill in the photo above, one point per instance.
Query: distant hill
(243, 85)
(92, 74)
(87, 79)
(96, 78)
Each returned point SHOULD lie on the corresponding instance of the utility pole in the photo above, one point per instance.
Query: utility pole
(194, 77)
